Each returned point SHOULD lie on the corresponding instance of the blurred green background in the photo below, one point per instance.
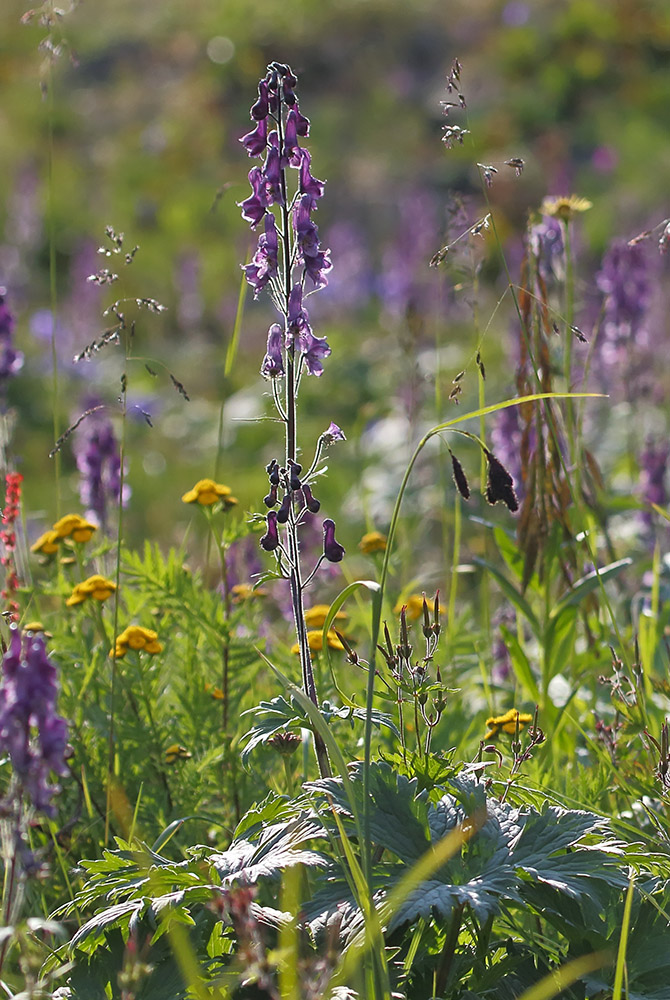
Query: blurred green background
(135, 125)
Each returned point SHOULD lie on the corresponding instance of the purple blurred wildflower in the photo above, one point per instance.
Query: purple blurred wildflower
(653, 472)
(99, 463)
(546, 243)
(625, 282)
(11, 360)
(31, 732)
(333, 433)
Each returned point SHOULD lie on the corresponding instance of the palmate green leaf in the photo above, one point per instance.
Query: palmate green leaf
(278, 847)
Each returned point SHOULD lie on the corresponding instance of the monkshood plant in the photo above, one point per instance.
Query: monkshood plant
(291, 264)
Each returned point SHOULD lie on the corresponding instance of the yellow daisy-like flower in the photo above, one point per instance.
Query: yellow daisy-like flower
(414, 605)
(373, 541)
(215, 692)
(315, 640)
(206, 492)
(97, 587)
(316, 617)
(137, 637)
(506, 723)
(565, 208)
(75, 527)
(47, 543)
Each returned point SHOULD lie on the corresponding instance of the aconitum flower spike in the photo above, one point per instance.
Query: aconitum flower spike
(332, 549)
(270, 539)
(273, 362)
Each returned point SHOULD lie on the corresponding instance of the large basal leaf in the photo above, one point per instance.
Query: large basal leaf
(277, 848)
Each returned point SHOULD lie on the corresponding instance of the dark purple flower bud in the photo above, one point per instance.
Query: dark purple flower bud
(261, 108)
(273, 174)
(333, 433)
(294, 472)
(255, 141)
(302, 123)
(332, 550)
(285, 509)
(311, 503)
(273, 362)
(310, 186)
(263, 266)
(270, 539)
(99, 462)
(253, 207)
(273, 472)
(271, 499)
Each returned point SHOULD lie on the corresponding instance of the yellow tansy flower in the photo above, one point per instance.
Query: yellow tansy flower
(245, 591)
(75, 527)
(316, 617)
(373, 541)
(176, 752)
(206, 492)
(47, 543)
(414, 605)
(565, 208)
(315, 641)
(97, 587)
(137, 637)
(506, 723)
(33, 627)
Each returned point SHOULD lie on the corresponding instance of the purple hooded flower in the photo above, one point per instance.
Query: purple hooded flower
(316, 261)
(270, 539)
(301, 123)
(298, 320)
(309, 185)
(333, 433)
(31, 733)
(546, 241)
(273, 173)
(273, 362)
(263, 266)
(261, 108)
(254, 207)
(313, 349)
(332, 549)
(256, 141)
(292, 153)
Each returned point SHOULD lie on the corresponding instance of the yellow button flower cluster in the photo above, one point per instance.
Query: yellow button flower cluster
(206, 492)
(507, 723)
(98, 587)
(137, 637)
(315, 641)
(71, 526)
(373, 541)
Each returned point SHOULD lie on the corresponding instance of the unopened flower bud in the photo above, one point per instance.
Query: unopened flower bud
(311, 503)
(271, 499)
(284, 510)
(270, 539)
(332, 549)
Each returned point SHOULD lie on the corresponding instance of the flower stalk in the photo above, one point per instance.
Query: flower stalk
(291, 263)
